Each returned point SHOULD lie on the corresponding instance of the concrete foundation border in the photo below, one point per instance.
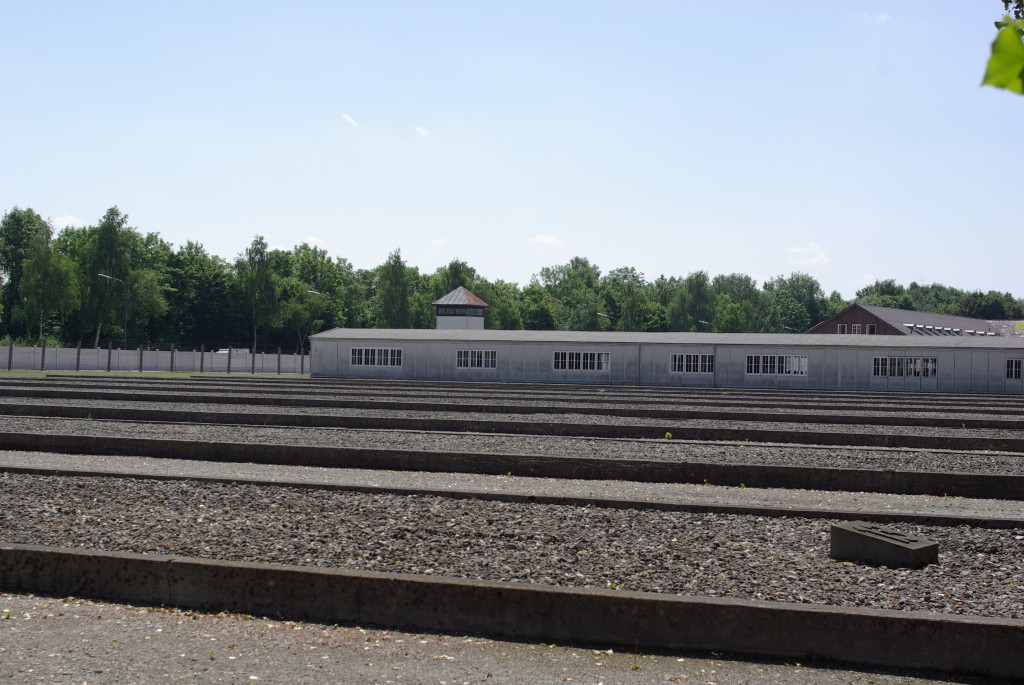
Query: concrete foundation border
(862, 636)
(988, 486)
(885, 517)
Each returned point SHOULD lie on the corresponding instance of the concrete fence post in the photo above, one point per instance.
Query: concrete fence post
(202, 357)
(42, 358)
(229, 359)
(140, 358)
(302, 362)
(110, 353)
(278, 361)
(78, 357)
(10, 356)
(253, 355)
(172, 357)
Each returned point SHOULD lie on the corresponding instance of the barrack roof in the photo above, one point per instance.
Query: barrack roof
(899, 318)
(795, 340)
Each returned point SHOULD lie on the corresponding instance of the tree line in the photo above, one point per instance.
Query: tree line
(110, 283)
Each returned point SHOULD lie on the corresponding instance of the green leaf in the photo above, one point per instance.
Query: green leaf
(1006, 66)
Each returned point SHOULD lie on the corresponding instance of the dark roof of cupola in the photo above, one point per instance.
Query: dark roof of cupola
(460, 297)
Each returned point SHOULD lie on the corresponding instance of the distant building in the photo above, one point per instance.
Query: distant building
(460, 310)
(863, 319)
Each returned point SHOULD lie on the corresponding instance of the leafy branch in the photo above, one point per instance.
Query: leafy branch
(1006, 65)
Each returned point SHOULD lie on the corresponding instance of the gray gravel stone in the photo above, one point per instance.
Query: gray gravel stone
(942, 461)
(981, 572)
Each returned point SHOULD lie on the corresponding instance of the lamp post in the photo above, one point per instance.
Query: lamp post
(111, 278)
(330, 301)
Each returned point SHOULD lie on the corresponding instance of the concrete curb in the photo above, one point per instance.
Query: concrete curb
(979, 486)
(880, 638)
(295, 399)
(951, 520)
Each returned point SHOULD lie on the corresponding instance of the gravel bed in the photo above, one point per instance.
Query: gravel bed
(995, 463)
(579, 419)
(580, 404)
(781, 499)
(980, 572)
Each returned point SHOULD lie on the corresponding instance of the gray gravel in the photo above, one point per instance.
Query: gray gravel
(980, 572)
(683, 493)
(996, 463)
(581, 419)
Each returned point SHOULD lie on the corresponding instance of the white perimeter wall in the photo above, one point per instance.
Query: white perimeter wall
(96, 359)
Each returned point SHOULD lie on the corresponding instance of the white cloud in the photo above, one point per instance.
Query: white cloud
(65, 220)
(882, 16)
(544, 239)
(808, 255)
(422, 131)
(439, 242)
(313, 240)
(349, 120)
(524, 213)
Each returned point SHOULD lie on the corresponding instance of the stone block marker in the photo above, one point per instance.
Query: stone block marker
(870, 543)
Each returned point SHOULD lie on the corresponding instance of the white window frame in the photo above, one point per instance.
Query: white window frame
(476, 359)
(855, 329)
(691, 362)
(1013, 368)
(375, 356)
(581, 361)
(841, 329)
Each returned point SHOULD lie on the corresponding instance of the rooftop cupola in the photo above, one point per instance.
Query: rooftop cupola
(460, 309)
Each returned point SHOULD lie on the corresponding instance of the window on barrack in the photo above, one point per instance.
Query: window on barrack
(476, 359)
(1013, 368)
(692, 363)
(772, 364)
(376, 356)
(581, 361)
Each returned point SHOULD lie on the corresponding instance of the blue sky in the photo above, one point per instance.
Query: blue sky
(848, 140)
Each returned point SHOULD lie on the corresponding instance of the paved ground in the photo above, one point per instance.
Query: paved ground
(62, 640)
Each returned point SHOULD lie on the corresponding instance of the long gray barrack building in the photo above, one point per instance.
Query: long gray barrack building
(960, 364)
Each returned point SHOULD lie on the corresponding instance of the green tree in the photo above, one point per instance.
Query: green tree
(104, 253)
(392, 298)
(741, 309)
(456, 273)
(537, 307)
(887, 293)
(573, 287)
(49, 285)
(19, 228)
(792, 301)
(148, 302)
(693, 305)
(202, 299)
(991, 305)
(627, 299)
(504, 299)
(259, 286)
(934, 297)
(729, 316)
(302, 312)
